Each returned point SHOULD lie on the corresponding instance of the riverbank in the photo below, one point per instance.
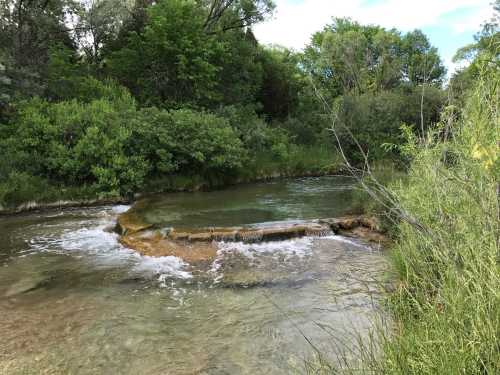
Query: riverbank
(169, 184)
(24, 192)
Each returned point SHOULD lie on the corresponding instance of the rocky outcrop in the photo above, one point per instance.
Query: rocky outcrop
(198, 245)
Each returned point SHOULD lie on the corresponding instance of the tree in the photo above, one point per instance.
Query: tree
(28, 32)
(347, 57)
(282, 82)
(421, 62)
(224, 15)
(484, 50)
(99, 23)
(171, 62)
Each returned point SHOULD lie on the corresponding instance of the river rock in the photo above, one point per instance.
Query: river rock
(156, 245)
(25, 285)
(129, 222)
(198, 245)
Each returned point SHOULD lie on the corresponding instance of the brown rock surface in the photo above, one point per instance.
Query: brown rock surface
(156, 245)
(197, 245)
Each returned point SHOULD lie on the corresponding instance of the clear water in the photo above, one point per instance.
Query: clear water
(73, 300)
(279, 200)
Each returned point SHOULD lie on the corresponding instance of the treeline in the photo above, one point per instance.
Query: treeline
(111, 97)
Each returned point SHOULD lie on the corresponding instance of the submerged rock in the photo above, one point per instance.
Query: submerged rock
(26, 285)
(129, 222)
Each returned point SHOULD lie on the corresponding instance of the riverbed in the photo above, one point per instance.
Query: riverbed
(73, 300)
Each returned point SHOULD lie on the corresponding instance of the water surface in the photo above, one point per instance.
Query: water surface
(73, 300)
(278, 200)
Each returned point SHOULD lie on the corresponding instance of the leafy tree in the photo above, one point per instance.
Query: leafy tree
(282, 81)
(224, 15)
(347, 57)
(421, 61)
(485, 49)
(240, 72)
(170, 62)
(99, 23)
(28, 31)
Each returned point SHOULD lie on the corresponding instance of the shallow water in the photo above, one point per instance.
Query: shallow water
(279, 200)
(73, 300)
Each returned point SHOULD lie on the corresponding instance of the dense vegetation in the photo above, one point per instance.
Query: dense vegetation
(448, 301)
(446, 218)
(106, 98)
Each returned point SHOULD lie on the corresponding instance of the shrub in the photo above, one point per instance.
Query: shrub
(77, 143)
(375, 118)
(20, 187)
(186, 142)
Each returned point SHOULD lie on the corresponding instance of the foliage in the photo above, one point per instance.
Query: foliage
(108, 144)
(374, 80)
(375, 118)
(447, 305)
(170, 62)
(116, 93)
(347, 57)
(282, 82)
(224, 15)
(184, 141)
(77, 143)
(485, 50)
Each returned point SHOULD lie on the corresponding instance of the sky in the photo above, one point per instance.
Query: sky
(449, 24)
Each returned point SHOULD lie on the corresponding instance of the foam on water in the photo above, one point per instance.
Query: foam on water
(348, 241)
(97, 244)
(120, 209)
(299, 247)
(163, 266)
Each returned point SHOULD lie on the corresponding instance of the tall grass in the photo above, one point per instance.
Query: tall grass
(447, 305)
(445, 310)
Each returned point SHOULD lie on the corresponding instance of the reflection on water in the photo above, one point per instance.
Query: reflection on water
(308, 198)
(72, 300)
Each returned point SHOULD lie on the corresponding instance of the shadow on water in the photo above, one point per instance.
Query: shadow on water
(73, 300)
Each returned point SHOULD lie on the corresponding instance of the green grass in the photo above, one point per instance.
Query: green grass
(20, 188)
(447, 305)
(297, 161)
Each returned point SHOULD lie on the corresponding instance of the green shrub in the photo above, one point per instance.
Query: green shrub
(20, 187)
(186, 142)
(375, 118)
(77, 143)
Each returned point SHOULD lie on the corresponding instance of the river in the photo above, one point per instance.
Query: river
(73, 300)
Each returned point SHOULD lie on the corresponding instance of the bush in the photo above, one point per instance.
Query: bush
(186, 142)
(20, 187)
(77, 143)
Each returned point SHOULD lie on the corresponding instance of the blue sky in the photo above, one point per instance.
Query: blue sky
(449, 24)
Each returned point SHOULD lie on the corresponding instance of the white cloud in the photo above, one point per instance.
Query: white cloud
(295, 22)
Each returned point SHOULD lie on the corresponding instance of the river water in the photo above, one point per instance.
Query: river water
(73, 300)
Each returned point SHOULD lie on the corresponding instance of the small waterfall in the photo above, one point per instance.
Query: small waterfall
(251, 236)
(318, 232)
